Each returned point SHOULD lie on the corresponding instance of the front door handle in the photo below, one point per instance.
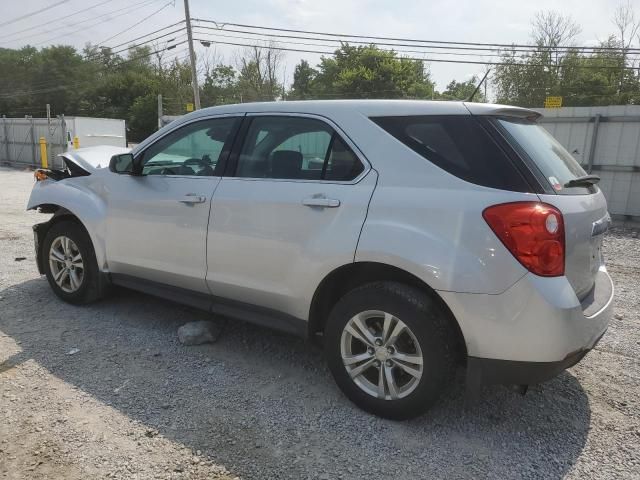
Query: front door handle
(321, 202)
(193, 198)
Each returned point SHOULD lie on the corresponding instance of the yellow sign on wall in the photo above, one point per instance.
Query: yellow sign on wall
(189, 107)
(553, 102)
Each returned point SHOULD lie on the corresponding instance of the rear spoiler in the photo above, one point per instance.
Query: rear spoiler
(501, 111)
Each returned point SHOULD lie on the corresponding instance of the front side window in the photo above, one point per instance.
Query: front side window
(194, 149)
(459, 145)
(297, 148)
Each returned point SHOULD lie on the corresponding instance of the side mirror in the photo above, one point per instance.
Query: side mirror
(123, 163)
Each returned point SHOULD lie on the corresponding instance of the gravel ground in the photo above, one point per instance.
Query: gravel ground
(134, 403)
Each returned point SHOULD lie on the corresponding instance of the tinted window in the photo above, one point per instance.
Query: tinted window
(295, 148)
(194, 149)
(557, 165)
(342, 163)
(459, 145)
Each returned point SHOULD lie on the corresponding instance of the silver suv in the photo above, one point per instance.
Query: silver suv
(406, 237)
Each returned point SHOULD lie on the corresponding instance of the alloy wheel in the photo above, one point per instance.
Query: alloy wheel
(65, 262)
(381, 355)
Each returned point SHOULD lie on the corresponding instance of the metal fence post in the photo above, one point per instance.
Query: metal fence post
(594, 142)
(6, 139)
(34, 142)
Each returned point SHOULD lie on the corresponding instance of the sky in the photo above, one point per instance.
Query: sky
(497, 21)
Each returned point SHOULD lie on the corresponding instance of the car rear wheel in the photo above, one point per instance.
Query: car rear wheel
(390, 349)
(70, 263)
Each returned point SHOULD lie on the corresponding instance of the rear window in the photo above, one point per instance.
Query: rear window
(555, 163)
(459, 145)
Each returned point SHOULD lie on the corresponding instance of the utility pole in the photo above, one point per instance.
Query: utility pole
(194, 74)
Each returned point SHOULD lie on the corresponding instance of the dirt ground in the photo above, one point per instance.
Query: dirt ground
(107, 391)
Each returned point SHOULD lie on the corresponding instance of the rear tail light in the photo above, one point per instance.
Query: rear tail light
(533, 232)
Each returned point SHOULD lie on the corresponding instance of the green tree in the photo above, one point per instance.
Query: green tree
(220, 86)
(368, 72)
(461, 90)
(303, 77)
(143, 117)
(258, 79)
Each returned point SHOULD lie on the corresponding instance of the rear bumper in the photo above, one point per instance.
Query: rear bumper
(534, 330)
(483, 371)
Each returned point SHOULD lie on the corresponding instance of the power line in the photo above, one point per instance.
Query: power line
(498, 50)
(435, 60)
(151, 33)
(31, 14)
(221, 25)
(53, 20)
(38, 34)
(125, 11)
(137, 23)
(109, 14)
(141, 44)
(333, 45)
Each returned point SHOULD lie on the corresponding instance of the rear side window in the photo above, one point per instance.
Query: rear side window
(557, 165)
(296, 148)
(459, 145)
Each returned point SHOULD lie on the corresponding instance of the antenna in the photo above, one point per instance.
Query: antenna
(470, 99)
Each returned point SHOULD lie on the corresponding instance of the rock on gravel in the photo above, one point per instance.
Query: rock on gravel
(197, 333)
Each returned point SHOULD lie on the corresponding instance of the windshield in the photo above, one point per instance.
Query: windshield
(556, 164)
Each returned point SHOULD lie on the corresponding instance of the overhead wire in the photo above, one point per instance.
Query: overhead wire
(435, 60)
(150, 33)
(440, 42)
(333, 45)
(53, 20)
(138, 22)
(31, 14)
(79, 22)
(499, 50)
(110, 15)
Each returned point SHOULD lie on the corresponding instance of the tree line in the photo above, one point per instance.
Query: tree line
(98, 82)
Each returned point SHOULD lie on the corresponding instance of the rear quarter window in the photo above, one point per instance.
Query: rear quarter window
(459, 145)
(556, 164)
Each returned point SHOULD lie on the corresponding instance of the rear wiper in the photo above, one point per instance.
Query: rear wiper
(584, 181)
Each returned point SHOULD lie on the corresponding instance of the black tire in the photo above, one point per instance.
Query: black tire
(91, 287)
(430, 327)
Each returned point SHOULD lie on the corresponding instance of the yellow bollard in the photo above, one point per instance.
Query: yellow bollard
(76, 142)
(43, 153)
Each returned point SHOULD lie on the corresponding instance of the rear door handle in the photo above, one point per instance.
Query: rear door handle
(321, 202)
(193, 198)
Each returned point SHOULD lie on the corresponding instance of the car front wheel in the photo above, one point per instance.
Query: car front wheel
(70, 263)
(390, 349)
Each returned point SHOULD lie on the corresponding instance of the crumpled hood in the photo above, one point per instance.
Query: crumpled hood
(93, 158)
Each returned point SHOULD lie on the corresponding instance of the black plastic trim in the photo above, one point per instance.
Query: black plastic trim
(39, 231)
(232, 159)
(221, 306)
(513, 155)
(489, 371)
